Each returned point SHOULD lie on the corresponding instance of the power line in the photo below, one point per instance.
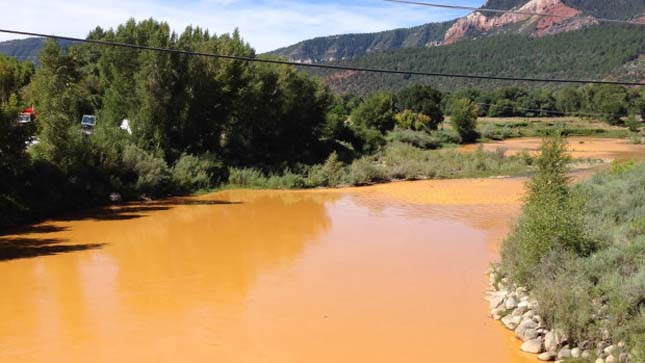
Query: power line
(319, 66)
(519, 12)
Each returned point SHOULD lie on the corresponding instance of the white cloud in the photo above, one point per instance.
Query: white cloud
(267, 25)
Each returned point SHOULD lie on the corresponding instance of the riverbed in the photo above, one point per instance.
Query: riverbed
(388, 273)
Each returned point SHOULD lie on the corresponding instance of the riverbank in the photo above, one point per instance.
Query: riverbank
(571, 281)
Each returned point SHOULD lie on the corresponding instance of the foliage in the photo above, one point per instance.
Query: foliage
(377, 112)
(590, 53)
(153, 174)
(412, 121)
(420, 106)
(364, 171)
(464, 119)
(420, 139)
(587, 294)
(552, 217)
(192, 172)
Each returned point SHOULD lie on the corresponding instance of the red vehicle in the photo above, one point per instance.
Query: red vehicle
(26, 116)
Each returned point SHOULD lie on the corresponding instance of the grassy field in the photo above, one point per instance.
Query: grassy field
(504, 128)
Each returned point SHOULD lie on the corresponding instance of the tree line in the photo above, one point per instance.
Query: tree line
(192, 119)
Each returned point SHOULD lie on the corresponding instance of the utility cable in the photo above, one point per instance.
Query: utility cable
(319, 66)
(519, 12)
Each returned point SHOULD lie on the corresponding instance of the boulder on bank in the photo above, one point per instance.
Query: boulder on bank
(533, 346)
(547, 356)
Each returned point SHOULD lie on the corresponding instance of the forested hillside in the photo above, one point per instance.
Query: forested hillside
(614, 9)
(349, 46)
(592, 53)
(26, 49)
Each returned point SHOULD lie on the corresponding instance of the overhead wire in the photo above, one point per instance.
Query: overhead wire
(511, 11)
(318, 66)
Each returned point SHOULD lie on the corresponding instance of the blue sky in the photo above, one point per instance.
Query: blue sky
(266, 24)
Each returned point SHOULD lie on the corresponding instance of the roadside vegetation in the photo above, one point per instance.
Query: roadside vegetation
(580, 249)
(198, 123)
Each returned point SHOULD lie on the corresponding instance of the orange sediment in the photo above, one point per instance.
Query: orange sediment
(389, 273)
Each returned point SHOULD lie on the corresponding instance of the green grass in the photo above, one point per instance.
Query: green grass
(503, 128)
(397, 161)
(585, 293)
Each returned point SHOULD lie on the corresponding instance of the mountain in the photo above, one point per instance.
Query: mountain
(572, 15)
(347, 46)
(26, 49)
(614, 52)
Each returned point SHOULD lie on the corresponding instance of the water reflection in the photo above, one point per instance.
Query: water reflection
(374, 274)
(168, 273)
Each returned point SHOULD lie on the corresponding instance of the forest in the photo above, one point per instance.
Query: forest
(197, 123)
(599, 52)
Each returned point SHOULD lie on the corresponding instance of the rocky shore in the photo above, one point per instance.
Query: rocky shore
(514, 307)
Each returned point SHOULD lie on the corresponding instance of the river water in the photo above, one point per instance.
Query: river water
(389, 273)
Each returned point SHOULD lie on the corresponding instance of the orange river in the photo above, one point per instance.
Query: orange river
(389, 273)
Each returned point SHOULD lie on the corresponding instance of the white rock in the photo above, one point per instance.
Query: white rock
(610, 349)
(511, 302)
(518, 312)
(623, 358)
(528, 315)
(575, 352)
(611, 359)
(533, 346)
(553, 339)
(526, 330)
(496, 301)
(564, 353)
(585, 354)
(497, 311)
(547, 356)
(507, 322)
(599, 360)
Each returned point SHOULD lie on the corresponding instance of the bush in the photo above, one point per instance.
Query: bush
(446, 137)
(420, 139)
(287, 180)
(633, 124)
(246, 177)
(409, 120)
(364, 171)
(464, 119)
(494, 132)
(329, 174)
(153, 175)
(552, 217)
(191, 173)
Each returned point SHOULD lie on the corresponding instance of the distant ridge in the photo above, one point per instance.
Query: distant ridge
(26, 49)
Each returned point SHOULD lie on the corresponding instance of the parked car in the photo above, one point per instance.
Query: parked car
(26, 116)
(88, 122)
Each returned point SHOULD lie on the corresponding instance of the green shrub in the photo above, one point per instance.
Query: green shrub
(420, 139)
(494, 132)
(287, 180)
(446, 137)
(364, 171)
(329, 174)
(153, 175)
(464, 119)
(192, 173)
(633, 124)
(246, 177)
(552, 217)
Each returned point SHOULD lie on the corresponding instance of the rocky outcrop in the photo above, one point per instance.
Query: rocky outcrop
(518, 311)
(565, 18)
